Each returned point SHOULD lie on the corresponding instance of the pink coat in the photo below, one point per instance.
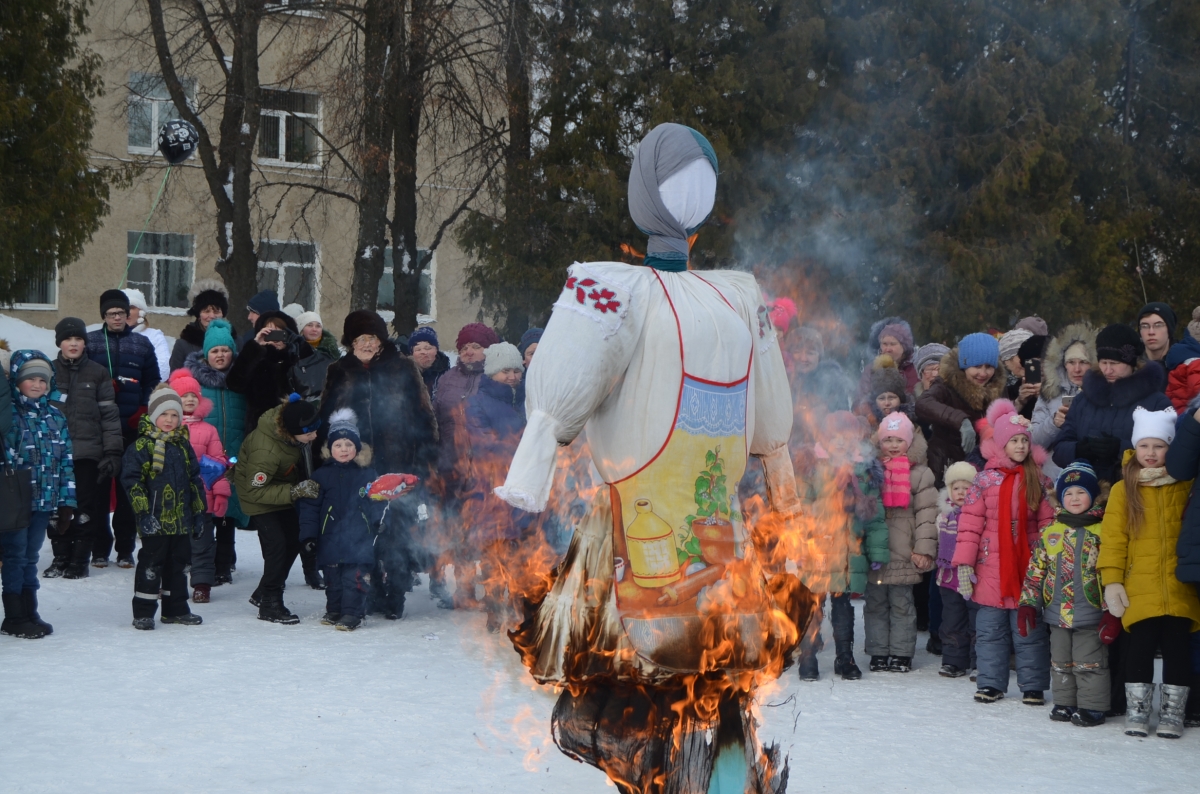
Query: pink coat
(206, 441)
(979, 525)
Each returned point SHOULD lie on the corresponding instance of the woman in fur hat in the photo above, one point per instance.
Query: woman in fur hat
(891, 336)
(1068, 357)
(209, 301)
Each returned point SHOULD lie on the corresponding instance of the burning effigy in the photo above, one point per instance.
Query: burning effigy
(669, 609)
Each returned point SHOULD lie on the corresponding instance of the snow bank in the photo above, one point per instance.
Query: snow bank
(23, 336)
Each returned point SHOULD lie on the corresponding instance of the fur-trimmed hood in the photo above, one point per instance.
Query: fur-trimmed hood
(992, 452)
(1149, 378)
(1054, 373)
(945, 506)
(364, 457)
(973, 394)
(202, 411)
(207, 375)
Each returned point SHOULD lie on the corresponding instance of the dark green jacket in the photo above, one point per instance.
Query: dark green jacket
(269, 464)
(175, 495)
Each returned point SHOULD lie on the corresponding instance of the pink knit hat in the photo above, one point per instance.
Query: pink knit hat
(182, 382)
(896, 425)
(1006, 422)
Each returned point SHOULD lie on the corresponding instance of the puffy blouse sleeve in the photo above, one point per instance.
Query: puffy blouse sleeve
(588, 345)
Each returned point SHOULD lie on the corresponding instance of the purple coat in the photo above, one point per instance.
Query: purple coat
(453, 389)
(495, 418)
(947, 523)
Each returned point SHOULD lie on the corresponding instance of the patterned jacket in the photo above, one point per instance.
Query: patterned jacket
(40, 442)
(1051, 573)
(175, 495)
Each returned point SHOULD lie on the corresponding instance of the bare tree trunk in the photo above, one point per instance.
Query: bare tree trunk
(406, 269)
(518, 151)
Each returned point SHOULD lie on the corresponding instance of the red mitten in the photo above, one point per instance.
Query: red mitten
(1026, 620)
(219, 504)
(387, 487)
(1110, 628)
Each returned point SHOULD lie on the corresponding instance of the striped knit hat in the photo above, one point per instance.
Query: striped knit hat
(163, 399)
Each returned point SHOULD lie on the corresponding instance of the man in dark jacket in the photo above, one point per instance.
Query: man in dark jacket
(262, 303)
(86, 396)
(430, 359)
(132, 366)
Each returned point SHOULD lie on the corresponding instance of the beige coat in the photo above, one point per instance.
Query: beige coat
(912, 529)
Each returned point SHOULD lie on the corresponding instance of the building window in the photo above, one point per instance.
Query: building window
(150, 107)
(288, 128)
(426, 306)
(162, 267)
(42, 293)
(289, 268)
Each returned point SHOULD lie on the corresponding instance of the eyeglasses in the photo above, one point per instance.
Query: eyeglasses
(1153, 326)
(116, 314)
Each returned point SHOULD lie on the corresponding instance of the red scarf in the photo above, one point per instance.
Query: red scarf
(1014, 543)
(897, 487)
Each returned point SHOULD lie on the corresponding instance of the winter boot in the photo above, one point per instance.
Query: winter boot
(879, 664)
(58, 567)
(100, 562)
(1063, 713)
(124, 561)
(846, 668)
(77, 566)
(330, 619)
(144, 624)
(201, 594)
(256, 597)
(348, 623)
(1034, 697)
(29, 597)
(808, 666)
(314, 580)
(1087, 718)
(951, 671)
(273, 610)
(186, 619)
(988, 694)
(1137, 714)
(900, 664)
(934, 646)
(16, 619)
(1171, 709)
(222, 578)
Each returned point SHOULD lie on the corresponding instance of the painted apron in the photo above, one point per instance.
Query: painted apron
(689, 593)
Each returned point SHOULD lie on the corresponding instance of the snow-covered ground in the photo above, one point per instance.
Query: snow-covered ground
(21, 335)
(435, 704)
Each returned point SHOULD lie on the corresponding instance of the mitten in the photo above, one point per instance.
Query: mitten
(966, 579)
(62, 521)
(969, 439)
(875, 566)
(221, 492)
(1116, 599)
(108, 467)
(1110, 627)
(1026, 620)
(310, 546)
(149, 525)
(307, 489)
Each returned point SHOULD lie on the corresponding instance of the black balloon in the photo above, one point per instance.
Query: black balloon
(177, 140)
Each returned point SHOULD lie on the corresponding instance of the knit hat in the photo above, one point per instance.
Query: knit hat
(1119, 342)
(343, 423)
(960, 472)
(136, 298)
(502, 356)
(299, 416)
(69, 327)
(901, 332)
(478, 333)
(208, 292)
(1164, 311)
(1078, 474)
(885, 377)
(977, 350)
(1033, 347)
(1034, 325)
(263, 302)
(532, 336)
(807, 337)
(896, 425)
(293, 310)
(219, 334)
(113, 299)
(423, 334)
(783, 311)
(182, 382)
(163, 399)
(1011, 342)
(1153, 424)
(363, 322)
(35, 368)
(1006, 423)
(304, 318)
(932, 353)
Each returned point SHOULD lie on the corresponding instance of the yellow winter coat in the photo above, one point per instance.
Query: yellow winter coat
(1146, 564)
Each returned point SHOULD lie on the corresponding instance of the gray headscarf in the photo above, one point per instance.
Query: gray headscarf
(665, 151)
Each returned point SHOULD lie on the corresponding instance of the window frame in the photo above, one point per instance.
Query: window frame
(156, 121)
(422, 319)
(176, 311)
(43, 307)
(280, 268)
(317, 123)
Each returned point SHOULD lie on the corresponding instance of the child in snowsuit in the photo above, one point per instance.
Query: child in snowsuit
(910, 512)
(841, 494)
(957, 631)
(37, 442)
(1062, 584)
(340, 525)
(162, 478)
(1001, 522)
(206, 442)
(1137, 565)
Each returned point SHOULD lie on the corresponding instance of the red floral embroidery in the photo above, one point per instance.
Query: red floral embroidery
(604, 300)
(578, 285)
(601, 298)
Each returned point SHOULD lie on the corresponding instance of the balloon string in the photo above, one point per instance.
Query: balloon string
(129, 262)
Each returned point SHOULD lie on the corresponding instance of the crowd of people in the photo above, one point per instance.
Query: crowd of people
(1022, 497)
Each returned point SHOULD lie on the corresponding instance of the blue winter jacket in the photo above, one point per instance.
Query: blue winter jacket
(1181, 351)
(39, 441)
(1104, 409)
(132, 364)
(1183, 463)
(342, 520)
